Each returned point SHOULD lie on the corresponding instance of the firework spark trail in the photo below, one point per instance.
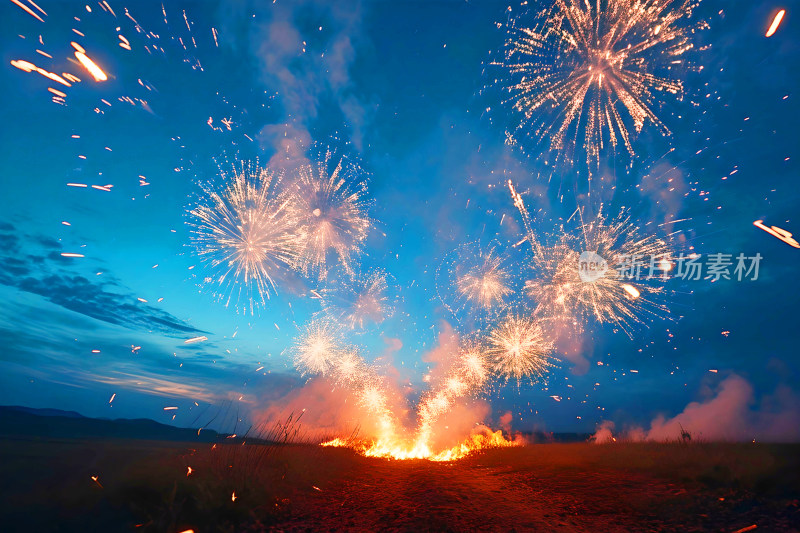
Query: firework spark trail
(246, 233)
(319, 347)
(468, 376)
(330, 202)
(584, 72)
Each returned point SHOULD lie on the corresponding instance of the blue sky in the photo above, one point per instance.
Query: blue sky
(407, 87)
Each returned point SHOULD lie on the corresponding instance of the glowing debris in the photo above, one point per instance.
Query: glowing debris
(96, 72)
(70, 254)
(193, 340)
(777, 232)
(631, 290)
(27, 66)
(29, 10)
(775, 23)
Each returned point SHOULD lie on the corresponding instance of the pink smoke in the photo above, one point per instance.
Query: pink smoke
(730, 414)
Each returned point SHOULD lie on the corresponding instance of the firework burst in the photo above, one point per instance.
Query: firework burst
(320, 349)
(246, 234)
(609, 296)
(330, 201)
(587, 73)
(474, 279)
(518, 349)
(358, 301)
(473, 366)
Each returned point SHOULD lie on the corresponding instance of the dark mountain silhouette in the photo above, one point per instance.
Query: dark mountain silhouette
(26, 422)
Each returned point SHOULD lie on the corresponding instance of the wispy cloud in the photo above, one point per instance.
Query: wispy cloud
(34, 264)
(304, 52)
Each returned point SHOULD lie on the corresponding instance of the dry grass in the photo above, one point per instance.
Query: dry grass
(567, 487)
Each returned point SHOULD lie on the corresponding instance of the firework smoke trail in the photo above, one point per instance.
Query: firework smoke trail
(246, 233)
(585, 73)
(330, 201)
(357, 301)
(519, 349)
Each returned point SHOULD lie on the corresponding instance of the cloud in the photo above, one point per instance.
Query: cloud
(730, 412)
(34, 264)
(304, 51)
(444, 355)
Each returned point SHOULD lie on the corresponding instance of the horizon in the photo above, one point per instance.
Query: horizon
(109, 311)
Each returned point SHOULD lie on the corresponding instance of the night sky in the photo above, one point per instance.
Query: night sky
(407, 88)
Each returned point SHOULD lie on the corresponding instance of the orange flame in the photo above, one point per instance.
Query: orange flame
(391, 449)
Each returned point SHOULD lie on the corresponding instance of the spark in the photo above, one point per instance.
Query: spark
(630, 289)
(247, 234)
(193, 340)
(331, 205)
(778, 233)
(474, 366)
(775, 23)
(95, 479)
(518, 349)
(486, 285)
(29, 10)
(96, 72)
(69, 254)
(27, 66)
(584, 74)
(112, 397)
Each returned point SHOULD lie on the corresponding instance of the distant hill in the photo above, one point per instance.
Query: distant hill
(43, 412)
(26, 422)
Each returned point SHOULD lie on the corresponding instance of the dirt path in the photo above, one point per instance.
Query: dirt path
(467, 496)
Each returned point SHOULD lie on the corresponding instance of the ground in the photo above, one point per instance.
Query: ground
(144, 486)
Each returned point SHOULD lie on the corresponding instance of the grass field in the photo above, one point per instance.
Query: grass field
(144, 486)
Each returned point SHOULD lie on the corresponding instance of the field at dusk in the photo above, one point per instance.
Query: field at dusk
(451, 265)
(144, 486)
